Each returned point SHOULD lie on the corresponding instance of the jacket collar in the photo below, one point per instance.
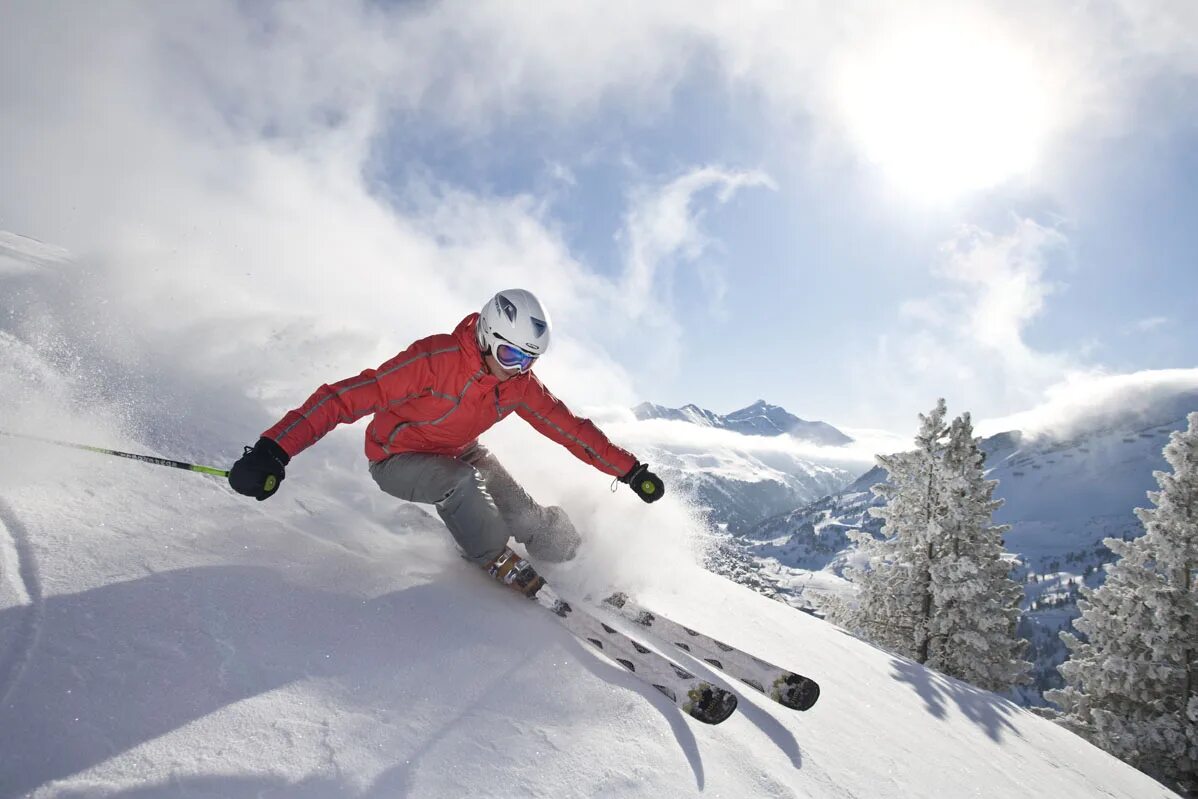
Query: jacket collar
(467, 338)
(466, 334)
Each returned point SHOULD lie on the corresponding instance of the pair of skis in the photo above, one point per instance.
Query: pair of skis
(696, 696)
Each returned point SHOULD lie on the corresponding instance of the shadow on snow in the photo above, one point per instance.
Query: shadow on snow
(122, 664)
(985, 709)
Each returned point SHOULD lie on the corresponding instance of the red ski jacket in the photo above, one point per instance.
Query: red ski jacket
(438, 396)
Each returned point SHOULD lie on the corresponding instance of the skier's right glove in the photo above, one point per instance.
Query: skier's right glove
(259, 470)
(645, 483)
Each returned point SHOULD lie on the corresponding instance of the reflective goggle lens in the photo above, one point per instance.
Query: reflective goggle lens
(513, 357)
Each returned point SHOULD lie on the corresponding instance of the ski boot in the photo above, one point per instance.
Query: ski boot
(514, 571)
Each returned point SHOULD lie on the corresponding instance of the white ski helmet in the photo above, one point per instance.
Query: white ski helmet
(515, 318)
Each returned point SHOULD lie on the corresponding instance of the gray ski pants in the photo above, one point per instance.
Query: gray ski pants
(480, 503)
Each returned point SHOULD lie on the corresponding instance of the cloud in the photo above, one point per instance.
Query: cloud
(1149, 324)
(499, 59)
(207, 171)
(971, 333)
(679, 436)
(213, 160)
(206, 161)
(1087, 402)
(663, 228)
(1003, 284)
(214, 156)
(472, 66)
(1161, 31)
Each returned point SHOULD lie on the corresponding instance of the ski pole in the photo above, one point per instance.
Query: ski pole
(191, 467)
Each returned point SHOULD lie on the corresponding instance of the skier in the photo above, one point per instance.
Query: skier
(430, 403)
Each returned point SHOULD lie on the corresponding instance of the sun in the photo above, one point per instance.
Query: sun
(945, 111)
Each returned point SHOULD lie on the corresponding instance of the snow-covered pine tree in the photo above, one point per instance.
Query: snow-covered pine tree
(976, 603)
(1132, 685)
(894, 602)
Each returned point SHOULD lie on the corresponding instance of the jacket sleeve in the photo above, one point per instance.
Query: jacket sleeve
(553, 419)
(399, 379)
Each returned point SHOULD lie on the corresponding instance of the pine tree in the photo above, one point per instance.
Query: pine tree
(894, 603)
(1132, 685)
(935, 587)
(976, 603)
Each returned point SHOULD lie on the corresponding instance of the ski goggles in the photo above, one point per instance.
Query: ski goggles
(510, 357)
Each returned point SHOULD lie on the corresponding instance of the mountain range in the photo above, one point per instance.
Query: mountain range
(736, 486)
(759, 419)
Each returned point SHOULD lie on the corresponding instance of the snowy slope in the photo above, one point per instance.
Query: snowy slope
(164, 637)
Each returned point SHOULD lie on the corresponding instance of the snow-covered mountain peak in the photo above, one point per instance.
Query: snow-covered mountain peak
(742, 467)
(687, 413)
(759, 419)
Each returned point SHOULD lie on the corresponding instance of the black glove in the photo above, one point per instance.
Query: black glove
(645, 483)
(259, 470)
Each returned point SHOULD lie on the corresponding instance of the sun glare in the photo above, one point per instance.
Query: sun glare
(945, 112)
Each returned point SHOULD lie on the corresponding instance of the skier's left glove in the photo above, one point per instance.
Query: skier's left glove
(258, 472)
(645, 483)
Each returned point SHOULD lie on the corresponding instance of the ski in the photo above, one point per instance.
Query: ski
(698, 698)
(783, 686)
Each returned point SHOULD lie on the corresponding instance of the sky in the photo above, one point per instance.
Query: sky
(846, 209)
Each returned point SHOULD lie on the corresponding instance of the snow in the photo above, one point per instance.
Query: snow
(22, 254)
(162, 636)
(170, 638)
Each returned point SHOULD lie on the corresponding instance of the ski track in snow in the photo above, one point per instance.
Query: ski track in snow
(13, 662)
